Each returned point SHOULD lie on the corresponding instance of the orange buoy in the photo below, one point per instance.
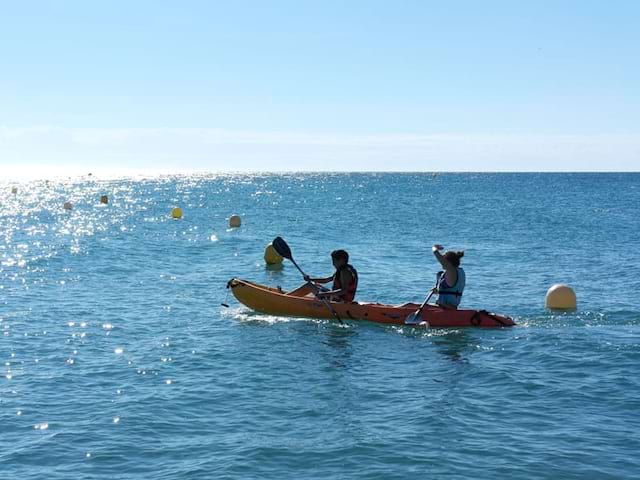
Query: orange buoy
(560, 296)
(235, 221)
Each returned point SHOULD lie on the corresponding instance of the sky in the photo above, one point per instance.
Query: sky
(320, 85)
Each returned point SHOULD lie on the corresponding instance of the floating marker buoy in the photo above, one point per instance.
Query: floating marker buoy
(176, 212)
(68, 206)
(234, 221)
(104, 199)
(271, 256)
(14, 190)
(560, 296)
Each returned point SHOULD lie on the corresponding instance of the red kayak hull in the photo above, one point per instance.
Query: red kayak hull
(272, 301)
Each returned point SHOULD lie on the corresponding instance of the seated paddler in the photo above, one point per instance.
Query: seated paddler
(345, 281)
(450, 281)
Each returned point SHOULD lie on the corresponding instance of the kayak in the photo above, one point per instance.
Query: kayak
(274, 301)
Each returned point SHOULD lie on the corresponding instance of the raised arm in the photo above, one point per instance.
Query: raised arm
(451, 272)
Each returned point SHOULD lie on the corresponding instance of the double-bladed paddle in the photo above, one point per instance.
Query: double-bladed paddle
(414, 318)
(284, 251)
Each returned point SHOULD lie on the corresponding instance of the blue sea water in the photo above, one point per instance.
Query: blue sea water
(118, 360)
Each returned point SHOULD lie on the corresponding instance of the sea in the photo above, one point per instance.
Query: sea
(119, 361)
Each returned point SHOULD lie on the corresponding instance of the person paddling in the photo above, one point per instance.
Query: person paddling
(345, 281)
(450, 282)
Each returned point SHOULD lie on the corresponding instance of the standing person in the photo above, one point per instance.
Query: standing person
(450, 282)
(345, 281)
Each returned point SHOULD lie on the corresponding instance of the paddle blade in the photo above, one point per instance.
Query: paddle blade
(414, 319)
(281, 247)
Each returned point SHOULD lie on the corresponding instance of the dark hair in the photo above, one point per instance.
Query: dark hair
(454, 258)
(340, 254)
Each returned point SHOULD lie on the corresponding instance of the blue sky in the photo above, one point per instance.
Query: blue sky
(322, 85)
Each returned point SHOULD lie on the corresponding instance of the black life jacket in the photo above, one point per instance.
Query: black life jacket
(351, 288)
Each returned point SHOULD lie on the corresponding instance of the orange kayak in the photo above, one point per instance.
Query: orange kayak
(273, 301)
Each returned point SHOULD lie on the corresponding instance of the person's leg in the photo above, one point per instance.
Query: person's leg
(302, 290)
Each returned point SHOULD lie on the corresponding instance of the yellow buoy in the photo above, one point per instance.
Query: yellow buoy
(271, 256)
(560, 296)
(104, 199)
(234, 221)
(176, 212)
(68, 206)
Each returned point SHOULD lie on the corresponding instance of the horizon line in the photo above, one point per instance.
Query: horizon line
(115, 174)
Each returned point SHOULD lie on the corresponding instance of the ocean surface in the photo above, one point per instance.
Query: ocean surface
(119, 362)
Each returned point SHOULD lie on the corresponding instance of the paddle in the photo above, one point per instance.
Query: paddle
(285, 252)
(225, 304)
(414, 318)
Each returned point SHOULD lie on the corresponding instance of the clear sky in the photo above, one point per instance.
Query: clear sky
(320, 85)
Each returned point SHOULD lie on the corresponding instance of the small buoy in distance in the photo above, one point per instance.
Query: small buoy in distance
(68, 206)
(271, 257)
(561, 297)
(14, 190)
(176, 212)
(104, 199)
(235, 221)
